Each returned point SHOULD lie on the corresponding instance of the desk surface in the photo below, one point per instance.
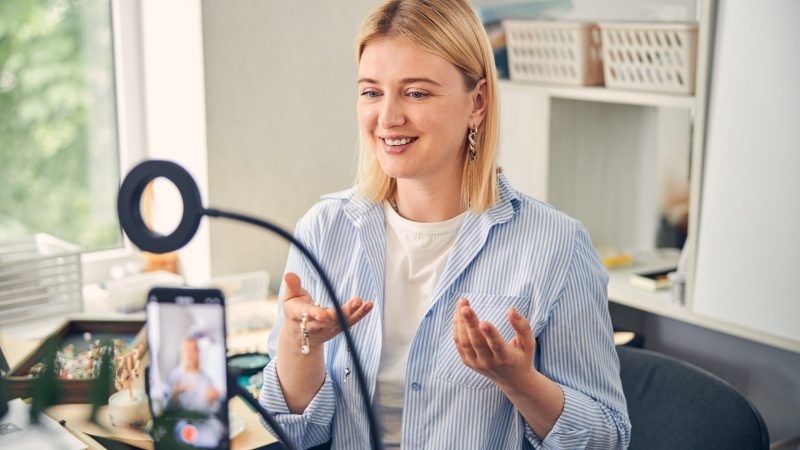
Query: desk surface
(253, 436)
(75, 415)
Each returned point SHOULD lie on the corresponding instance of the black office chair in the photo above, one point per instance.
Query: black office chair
(675, 405)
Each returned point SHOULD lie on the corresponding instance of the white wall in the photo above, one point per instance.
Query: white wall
(282, 130)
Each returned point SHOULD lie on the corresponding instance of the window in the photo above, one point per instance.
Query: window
(59, 145)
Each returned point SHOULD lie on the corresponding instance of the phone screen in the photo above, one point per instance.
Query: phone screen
(187, 378)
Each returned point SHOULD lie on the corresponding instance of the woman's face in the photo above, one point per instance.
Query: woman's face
(414, 111)
(191, 359)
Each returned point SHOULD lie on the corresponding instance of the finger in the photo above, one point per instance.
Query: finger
(463, 342)
(495, 340)
(455, 326)
(359, 313)
(324, 318)
(328, 315)
(459, 348)
(293, 287)
(352, 306)
(476, 338)
(353, 310)
(321, 314)
(522, 328)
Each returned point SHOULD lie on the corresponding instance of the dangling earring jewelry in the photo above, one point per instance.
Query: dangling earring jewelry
(471, 144)
(471, 176)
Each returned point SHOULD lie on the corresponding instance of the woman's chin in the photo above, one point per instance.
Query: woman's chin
(394, 170)
(395, 174)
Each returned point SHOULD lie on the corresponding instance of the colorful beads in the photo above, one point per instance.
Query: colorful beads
(82, 365)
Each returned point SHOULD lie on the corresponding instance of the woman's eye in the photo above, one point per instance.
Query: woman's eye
(370, 94)
(418, 95)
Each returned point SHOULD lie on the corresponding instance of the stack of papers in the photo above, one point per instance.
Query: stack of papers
(17, 433)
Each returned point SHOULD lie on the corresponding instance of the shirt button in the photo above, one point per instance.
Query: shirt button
(415, 386)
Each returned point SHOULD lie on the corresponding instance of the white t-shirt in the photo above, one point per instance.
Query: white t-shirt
(416, 254)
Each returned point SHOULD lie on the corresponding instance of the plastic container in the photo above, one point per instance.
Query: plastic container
(129, 294)
(39, 276)
(554, 52)
(659, 57)
(243, 286)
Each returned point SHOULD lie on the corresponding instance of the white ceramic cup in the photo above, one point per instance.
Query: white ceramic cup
(126, 410)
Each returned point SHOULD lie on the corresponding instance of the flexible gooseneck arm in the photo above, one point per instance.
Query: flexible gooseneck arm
(234, 390)
(133, 223)
(362, 384)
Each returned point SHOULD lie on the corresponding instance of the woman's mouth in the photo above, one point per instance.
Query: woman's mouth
(397, 145)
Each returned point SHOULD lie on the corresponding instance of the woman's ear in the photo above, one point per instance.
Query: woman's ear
(479, 103)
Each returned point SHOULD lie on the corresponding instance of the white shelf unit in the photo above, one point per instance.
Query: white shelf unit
(603, 94)
(599, 155)
(593, 153)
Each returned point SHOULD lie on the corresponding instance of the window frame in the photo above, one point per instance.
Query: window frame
(126, 28)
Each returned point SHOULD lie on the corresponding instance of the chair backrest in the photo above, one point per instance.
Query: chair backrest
(675, 405)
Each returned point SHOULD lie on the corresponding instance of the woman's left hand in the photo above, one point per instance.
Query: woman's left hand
(482, 347)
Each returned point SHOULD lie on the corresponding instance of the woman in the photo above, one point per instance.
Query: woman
(484, 321)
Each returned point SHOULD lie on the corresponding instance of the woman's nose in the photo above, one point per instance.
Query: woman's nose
(391, 114)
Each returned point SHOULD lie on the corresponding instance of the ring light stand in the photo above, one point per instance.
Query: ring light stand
(132, 222)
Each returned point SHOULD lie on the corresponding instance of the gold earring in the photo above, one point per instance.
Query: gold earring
(471, 144)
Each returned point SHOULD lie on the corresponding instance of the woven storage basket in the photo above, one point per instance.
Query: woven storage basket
(39, 276)
(650, 56)
(554, 52)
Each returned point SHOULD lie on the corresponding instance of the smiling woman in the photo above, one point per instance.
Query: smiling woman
(480, 314)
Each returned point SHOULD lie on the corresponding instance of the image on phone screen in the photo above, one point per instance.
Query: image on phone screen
(187, 377)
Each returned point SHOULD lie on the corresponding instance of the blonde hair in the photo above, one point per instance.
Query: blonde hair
(451, 30)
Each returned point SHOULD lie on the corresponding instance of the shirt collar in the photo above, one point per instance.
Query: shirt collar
(507, 205)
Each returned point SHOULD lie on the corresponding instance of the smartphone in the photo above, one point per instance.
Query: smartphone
(187, 378)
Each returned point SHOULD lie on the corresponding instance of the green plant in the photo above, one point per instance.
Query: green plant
(45, 390)
(5, 396)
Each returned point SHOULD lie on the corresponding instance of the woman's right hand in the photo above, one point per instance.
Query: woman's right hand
(321, 323)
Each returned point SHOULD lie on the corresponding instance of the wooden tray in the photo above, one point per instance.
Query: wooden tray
(73, 391)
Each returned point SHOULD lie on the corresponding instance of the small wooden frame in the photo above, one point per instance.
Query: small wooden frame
(74, 391)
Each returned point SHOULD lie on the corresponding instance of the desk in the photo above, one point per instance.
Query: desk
(253, 436)
(76, 415)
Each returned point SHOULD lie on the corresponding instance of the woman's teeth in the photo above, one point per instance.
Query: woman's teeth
(403, 141)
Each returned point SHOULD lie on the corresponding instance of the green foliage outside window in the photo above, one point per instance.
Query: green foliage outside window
(59, 167)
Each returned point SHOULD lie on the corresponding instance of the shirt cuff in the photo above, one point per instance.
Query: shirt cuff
(573, 429)
(313, 425)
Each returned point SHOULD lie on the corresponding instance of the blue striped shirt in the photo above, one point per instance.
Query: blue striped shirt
(521, 253)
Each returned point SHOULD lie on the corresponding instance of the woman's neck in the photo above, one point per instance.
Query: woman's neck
(430, 201)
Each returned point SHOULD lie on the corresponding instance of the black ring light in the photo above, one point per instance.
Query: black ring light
(130, 218)
(130, 214)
